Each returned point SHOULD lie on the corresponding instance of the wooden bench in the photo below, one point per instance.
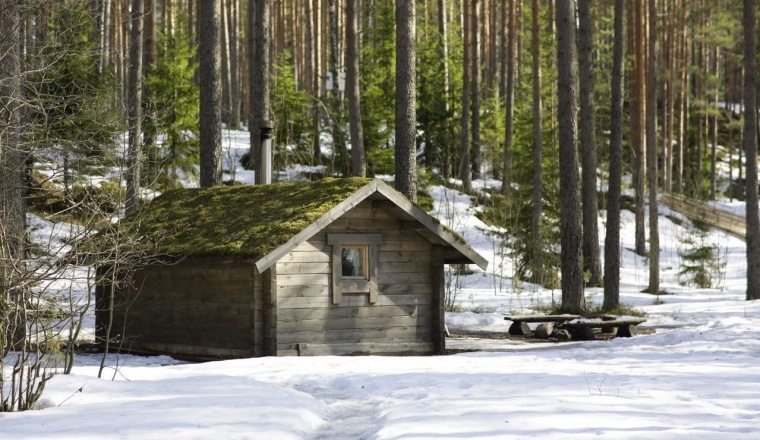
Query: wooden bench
(584, 330)
(520, 326)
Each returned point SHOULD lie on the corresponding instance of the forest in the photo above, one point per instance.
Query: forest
(561, 108)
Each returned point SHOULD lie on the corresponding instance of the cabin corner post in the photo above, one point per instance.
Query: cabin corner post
(438, 300)
(270, 311)
(256, 325)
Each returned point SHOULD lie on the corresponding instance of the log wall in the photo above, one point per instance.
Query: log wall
(200, 307)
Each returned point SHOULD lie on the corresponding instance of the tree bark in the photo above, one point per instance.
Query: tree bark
(336, 118)
(750, 147)
(638, 124)
(651, 144)
(12, 157)
(587, 127)
(612, 233)
(211, 94)
(509, 96)
(358, 162)
(406, 88)
(537, 202)
(260, 79)
(476, 153)
(134, 151)
(465, 173)
(573, 300)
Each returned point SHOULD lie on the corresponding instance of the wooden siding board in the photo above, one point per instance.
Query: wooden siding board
(437, 304)
(284, 315)
(409, 333)
(322, 325)
(355, 300)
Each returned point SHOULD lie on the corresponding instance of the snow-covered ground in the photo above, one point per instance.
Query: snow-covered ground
(697, 377)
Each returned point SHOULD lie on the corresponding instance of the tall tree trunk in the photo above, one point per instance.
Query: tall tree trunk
(12, 157)
(211, 94)
(226, 71)
(313, 73)
(358, 162)
(105, 39)
(587, 127)
(714, 124)
(234, 48)
(509, 96)
(477, 164)
(260, 80)
(444, 57)
(318, 84)
(651, 127)
(465, 172)
(149, 62)
(537, 202)
(336, 118)
(638, 124)
(750, 146)
(573, 300)
(612, 233)
(134, 153)
(406, 89)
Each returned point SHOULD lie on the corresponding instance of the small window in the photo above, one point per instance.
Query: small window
(354, 262)
(354, 265)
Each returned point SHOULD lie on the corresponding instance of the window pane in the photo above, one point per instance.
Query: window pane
(352, 261)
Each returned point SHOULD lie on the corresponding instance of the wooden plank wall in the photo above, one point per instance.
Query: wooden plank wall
(199, 307)
(402, 313)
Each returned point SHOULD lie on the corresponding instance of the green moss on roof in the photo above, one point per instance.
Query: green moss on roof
(239, 220)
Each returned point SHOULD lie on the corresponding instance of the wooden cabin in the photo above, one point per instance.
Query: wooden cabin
(337, 266)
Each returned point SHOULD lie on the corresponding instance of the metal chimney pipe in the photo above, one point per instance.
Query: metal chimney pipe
(266, 129)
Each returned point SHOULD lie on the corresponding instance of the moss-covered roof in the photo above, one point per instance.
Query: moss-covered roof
(237, 220)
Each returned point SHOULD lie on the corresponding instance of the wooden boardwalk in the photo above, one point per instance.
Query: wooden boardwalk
(728, 221)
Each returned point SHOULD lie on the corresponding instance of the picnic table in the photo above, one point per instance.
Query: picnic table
(520, 326)
(623, 327)
(576, 325)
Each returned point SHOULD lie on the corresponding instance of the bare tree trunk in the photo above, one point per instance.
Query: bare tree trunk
(651, 127)
(612, 233)
(714, 125)
(509, 96)
(12, 158)
(465, 172)
(683, 106)
(587, 127)
(105, 40)
(234, 21)
(336, 118)
(312, 73)
(211, 94)
(444, 54)
(750, 146)
(318, 75)
(638, 125)
(253, 130)
(537, 202)
(358, 162)
(477, 161)
(134, 153)
(573, 300)
(149, 61)
(406, 89)
(259, 79)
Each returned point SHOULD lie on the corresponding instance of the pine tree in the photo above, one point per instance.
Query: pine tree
(174, 99)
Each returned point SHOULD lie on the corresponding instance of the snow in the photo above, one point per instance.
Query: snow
(696, 377)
